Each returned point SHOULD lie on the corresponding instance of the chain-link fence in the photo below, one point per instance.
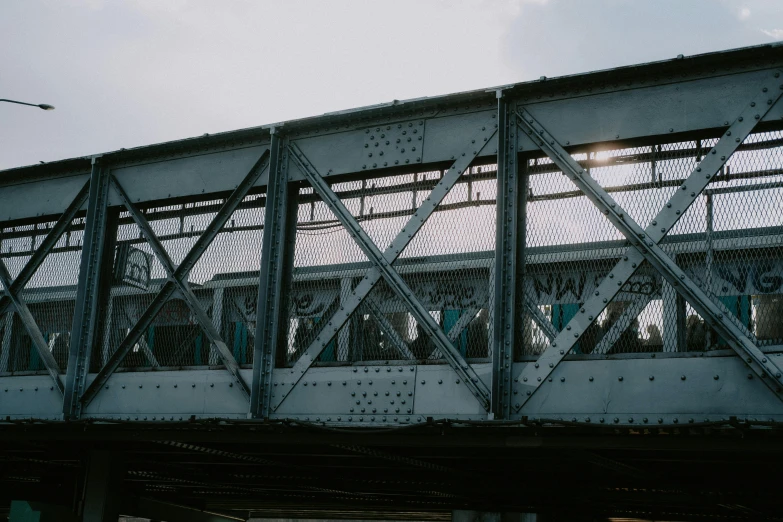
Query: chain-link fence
(224, 281)
(49, 294)
(447, 265)
(728, 241)
(738, 223)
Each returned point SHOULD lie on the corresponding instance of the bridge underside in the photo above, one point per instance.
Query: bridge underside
(422, 473)
(558, 295)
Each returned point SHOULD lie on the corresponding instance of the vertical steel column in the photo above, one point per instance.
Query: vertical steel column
(276, 262)
(103, 487)
(88, 291)
(509, 256)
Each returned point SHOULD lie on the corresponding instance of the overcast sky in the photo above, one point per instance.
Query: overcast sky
(136, 72)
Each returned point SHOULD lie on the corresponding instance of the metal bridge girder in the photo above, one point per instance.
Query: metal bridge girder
(646, 245)
(393, 279)
(168, 289)
(366, 284)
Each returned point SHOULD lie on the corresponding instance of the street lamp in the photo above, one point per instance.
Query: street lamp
(44, 106)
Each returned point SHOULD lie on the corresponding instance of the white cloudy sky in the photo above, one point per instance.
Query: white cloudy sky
(135, 72)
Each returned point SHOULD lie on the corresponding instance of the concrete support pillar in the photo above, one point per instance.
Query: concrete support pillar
(103, 487)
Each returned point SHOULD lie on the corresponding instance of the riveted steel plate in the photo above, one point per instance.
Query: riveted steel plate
(695, 387)
(30, 396)
(394, 144)
(440, 391)
(169, 395)
(358, 391)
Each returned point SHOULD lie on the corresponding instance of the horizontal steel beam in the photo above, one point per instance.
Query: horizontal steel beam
(170, 395)
(576, 109)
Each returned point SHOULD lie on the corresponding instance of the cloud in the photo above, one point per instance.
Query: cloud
(514, 7)
(777, 34)
(744, 13)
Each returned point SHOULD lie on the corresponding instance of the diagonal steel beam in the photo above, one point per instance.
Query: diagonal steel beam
(182, 285)
(184, 268)
(415, 223)
(393, 279)
(41, 346)
(538, 316)
(51, 239)
(630, 313)
(143, 346)
(653, 253)
(399, 344)
(646, 246)
(464, 320)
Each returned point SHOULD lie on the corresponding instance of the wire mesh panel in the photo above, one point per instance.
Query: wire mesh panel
(729, 235)
(642, 318)
(327, 263)
(569, 248)
(224, 281)
(49, 294)
(738, 223)
(447, 265)
(458, 241)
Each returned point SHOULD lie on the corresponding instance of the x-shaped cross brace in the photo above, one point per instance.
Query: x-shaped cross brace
(393, 279)
(177, 281)
(180, 282)
(13, 287)
(41, 346)
(365, 286)
(646, 246)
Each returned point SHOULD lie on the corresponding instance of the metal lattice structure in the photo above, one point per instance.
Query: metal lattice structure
(602, 248)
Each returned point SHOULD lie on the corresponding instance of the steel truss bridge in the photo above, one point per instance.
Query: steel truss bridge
(560, 297)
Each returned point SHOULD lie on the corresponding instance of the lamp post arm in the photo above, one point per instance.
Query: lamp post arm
(43, 106)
